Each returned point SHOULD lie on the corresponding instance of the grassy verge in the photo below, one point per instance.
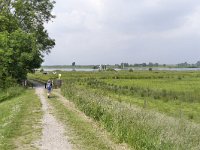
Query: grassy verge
(82, 133)
(140, 128)
(20, 121)
(10, 93)
(178, 109)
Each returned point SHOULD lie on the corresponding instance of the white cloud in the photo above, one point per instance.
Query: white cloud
(111, 31)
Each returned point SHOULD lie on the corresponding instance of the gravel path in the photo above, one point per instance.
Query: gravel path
(53, 137)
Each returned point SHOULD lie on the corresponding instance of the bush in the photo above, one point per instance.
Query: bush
(111, 69)
(131, 70)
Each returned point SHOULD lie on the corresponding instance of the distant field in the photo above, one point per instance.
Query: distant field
(178, 85)
(147, 110)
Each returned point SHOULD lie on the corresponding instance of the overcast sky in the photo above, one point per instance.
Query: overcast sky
(133, 31)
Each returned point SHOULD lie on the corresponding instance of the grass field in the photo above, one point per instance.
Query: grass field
(19, 119)
(147, 110)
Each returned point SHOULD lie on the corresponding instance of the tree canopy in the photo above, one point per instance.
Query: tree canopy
(23, 38)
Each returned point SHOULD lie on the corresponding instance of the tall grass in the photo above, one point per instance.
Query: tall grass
(10, 92)
(82, 132)
(140, 128)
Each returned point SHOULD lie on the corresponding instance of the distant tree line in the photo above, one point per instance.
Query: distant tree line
(187, 65)
(23, 38)
(150, 64)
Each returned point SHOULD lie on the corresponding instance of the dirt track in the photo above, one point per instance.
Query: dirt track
(53, 131)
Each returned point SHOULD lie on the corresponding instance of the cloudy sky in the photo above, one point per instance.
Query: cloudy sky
(133, 31)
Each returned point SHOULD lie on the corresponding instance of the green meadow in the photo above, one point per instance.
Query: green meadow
(145, 109)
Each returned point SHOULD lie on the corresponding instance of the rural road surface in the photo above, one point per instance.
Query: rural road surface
(53, 132)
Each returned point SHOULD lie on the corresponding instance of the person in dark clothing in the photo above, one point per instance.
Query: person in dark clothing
(49, 87)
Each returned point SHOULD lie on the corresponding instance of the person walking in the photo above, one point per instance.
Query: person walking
(49, 88)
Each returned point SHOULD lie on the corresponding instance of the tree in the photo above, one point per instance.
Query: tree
(156, 64)
(198, 63)
(23, 38)
(73, 64)
(150, 64)
(144, 64)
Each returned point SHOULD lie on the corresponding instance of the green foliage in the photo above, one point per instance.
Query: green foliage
(23, 38)
(19, 121)
(131, 70)
(147, 110)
